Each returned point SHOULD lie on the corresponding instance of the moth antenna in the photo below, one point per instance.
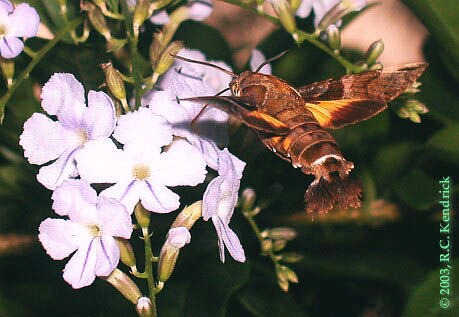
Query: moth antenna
(193, 122)
(269, 60)
(204, 63)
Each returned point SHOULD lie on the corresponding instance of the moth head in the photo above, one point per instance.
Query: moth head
(235, 87)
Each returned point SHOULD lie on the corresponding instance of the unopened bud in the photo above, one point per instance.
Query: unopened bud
(266, 245)
(188, 216)
(175, 19)
(412, 109)
(97, 18)
(140, 15)
(142, 215)
(167, 57)
(280, 233)
(291, 257)
(144, 308)
(374, 52)
(127, 255)
(157, 47)
(340, 10)
(176, 239)
(124, 285)
(295, 4)
(334, 37)
(279, 245)
(376, 66)
(282, 279)
(286, 14)
(289, 273)
(248, 198)
(114, 81)
(7, 67)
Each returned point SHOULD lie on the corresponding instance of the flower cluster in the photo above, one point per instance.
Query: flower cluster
(137, 157)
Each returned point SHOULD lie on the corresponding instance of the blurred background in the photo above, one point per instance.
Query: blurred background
(380, 260)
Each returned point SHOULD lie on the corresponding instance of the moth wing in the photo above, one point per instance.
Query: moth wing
(357, 97)
(244, 109)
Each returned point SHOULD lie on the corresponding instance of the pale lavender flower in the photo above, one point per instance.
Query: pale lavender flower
(321, 7)
(256, 60)
(21, 21)
(45, 140)
(140, 171)
(198, 10)
(90, 230)
(219, 201)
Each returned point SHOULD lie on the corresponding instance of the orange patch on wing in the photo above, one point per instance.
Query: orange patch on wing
(338, 113)
(264, 122)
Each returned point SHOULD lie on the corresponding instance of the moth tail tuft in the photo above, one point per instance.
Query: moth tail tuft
(323, 195)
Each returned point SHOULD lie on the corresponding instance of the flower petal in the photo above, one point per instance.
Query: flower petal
(304, 10)
(80, 270)
(256, 60)
(230, 240)
(126, 191)
(211, 198)
(61, 237)
(52, 175)
(99, 161)
(63, 91)
(114, 218)
(100, 117)
(44, 140)
(108, 255)
(178, 237)
(76, 199)
(158, 198)
(24, 21)
(200, 10)
(10, 47)
(160, 17)
(181, 164)
(5, 7)
(143, 127)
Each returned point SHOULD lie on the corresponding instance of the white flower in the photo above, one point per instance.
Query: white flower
(256, 60)
(219, 201)
(45, 140)
(90, 230)
(21, 21)
(141, 171)
(197, 10)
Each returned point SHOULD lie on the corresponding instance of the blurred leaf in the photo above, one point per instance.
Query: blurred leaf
(445, 144)
(424, 300)
(417, 189)
(442, 19)
(210, 286)
(263, 298)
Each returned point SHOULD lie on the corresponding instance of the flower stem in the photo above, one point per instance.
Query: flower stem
(260, 238)
(149, 271)
(38, 55)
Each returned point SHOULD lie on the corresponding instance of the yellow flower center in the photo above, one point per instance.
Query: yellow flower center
(2, 31)
(82, 136)
(95, 230)
(141, 172)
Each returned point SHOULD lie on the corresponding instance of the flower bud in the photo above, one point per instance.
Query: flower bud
(114, 81)
(188, 216)
(175, 19)
(144, 308)
(280, 233)
(279, 245)
(334, 37)
(412, 109)
(286, 14)
(248, 198)
(7, 67)
(282, 279)
(140, 15)
(289, 274)
(295, 4)
(374, 52)
(176, 239)
(167, 57)
(142, 215)
(127, 255)
(376, 66)
(157, 47)
(340, 10)
(291, 257)
(266, 245)
(124, 285)
(97, 18)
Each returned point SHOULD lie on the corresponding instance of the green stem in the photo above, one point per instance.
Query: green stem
(260, 238)
(35, 60)
(254, 9)
(149, 270)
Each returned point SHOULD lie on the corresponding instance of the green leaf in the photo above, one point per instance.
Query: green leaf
(417, 189)
(445, 143)
(442, 19)
(263, 298)
(424, 300)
